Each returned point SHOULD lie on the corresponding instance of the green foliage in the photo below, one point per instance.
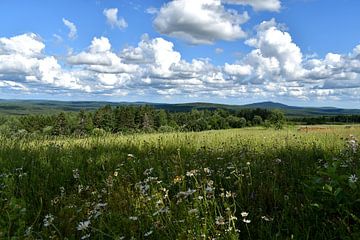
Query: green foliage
(277, 119)
(131, 119)
(61, 126)
(257, 120)
(98, 132)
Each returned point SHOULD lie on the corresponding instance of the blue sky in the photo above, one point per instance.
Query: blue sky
(299, 52)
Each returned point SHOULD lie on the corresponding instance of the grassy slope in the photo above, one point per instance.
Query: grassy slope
(148, 194)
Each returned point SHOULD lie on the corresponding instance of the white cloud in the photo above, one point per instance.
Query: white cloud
(158, 54)
(112, 18)
(13, 86)
(57, 38)
(273, 43)
(274, 69)
(28, 44)
(99, 58)
(239, 70)
(72, 28)
(22, 59)
(356, 51)
(219, 50)
(152, 10)
(258, 5)
(200, 21)
(100, 45)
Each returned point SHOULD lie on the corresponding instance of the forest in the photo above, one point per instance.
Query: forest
(131, 119)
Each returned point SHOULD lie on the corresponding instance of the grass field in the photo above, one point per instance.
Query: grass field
(250, 183)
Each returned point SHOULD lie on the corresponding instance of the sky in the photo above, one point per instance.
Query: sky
(297, 52)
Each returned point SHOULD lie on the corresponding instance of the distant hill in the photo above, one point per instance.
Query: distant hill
(24, 107)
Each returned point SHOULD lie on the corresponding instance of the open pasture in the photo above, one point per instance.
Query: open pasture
(250, 183)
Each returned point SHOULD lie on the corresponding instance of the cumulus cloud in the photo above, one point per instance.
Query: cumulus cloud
(157, 54)
(72, 28)
(22, 61)
(99, 58)
(278, 48)
(258, 5)
(239, 70)
(112, 18)
(28, 45)
(275, 68)
(200, 21)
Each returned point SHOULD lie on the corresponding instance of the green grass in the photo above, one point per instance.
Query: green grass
(292, 184)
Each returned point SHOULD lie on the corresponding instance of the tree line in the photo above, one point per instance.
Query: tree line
(344, 119)
(130, 119)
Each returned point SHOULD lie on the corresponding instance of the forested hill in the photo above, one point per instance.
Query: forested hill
(24, 107)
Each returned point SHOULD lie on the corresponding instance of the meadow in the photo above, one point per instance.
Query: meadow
(250, 183)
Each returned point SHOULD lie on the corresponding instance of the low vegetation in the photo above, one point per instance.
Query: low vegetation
(250, 183)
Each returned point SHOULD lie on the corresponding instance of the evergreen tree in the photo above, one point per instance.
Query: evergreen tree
(104, 118)
(160, 118)
(61, 125)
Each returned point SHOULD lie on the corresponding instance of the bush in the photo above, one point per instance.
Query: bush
(98, 132)
(166, 128)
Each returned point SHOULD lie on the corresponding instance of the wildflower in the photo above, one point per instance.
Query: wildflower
(352, 143)
(116, 173)
(246, 221)
(189, 192)
(80, 188)
(101, 205)
(278, 160)
(48, 220)
(62, 191)
(200, 197)
(55, 201)
(193, 211)
(353, 178)
(148, 233)
(232, 218)
(265, 218)
(244, 214)
(85, 236)
(208, 189)
(83, 225)
(28, 232)
(228, 194)
(248, 163)
(192, 173)
(76, 174)
(133, 218)
(220, 220)
(147, 172)
(207, 170)
(130, 155)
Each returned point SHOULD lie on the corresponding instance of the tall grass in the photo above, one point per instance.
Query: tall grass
(232, 184)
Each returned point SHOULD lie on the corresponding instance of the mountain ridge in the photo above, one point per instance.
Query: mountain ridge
(38, 106)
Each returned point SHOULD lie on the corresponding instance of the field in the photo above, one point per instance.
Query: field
(250, 183)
